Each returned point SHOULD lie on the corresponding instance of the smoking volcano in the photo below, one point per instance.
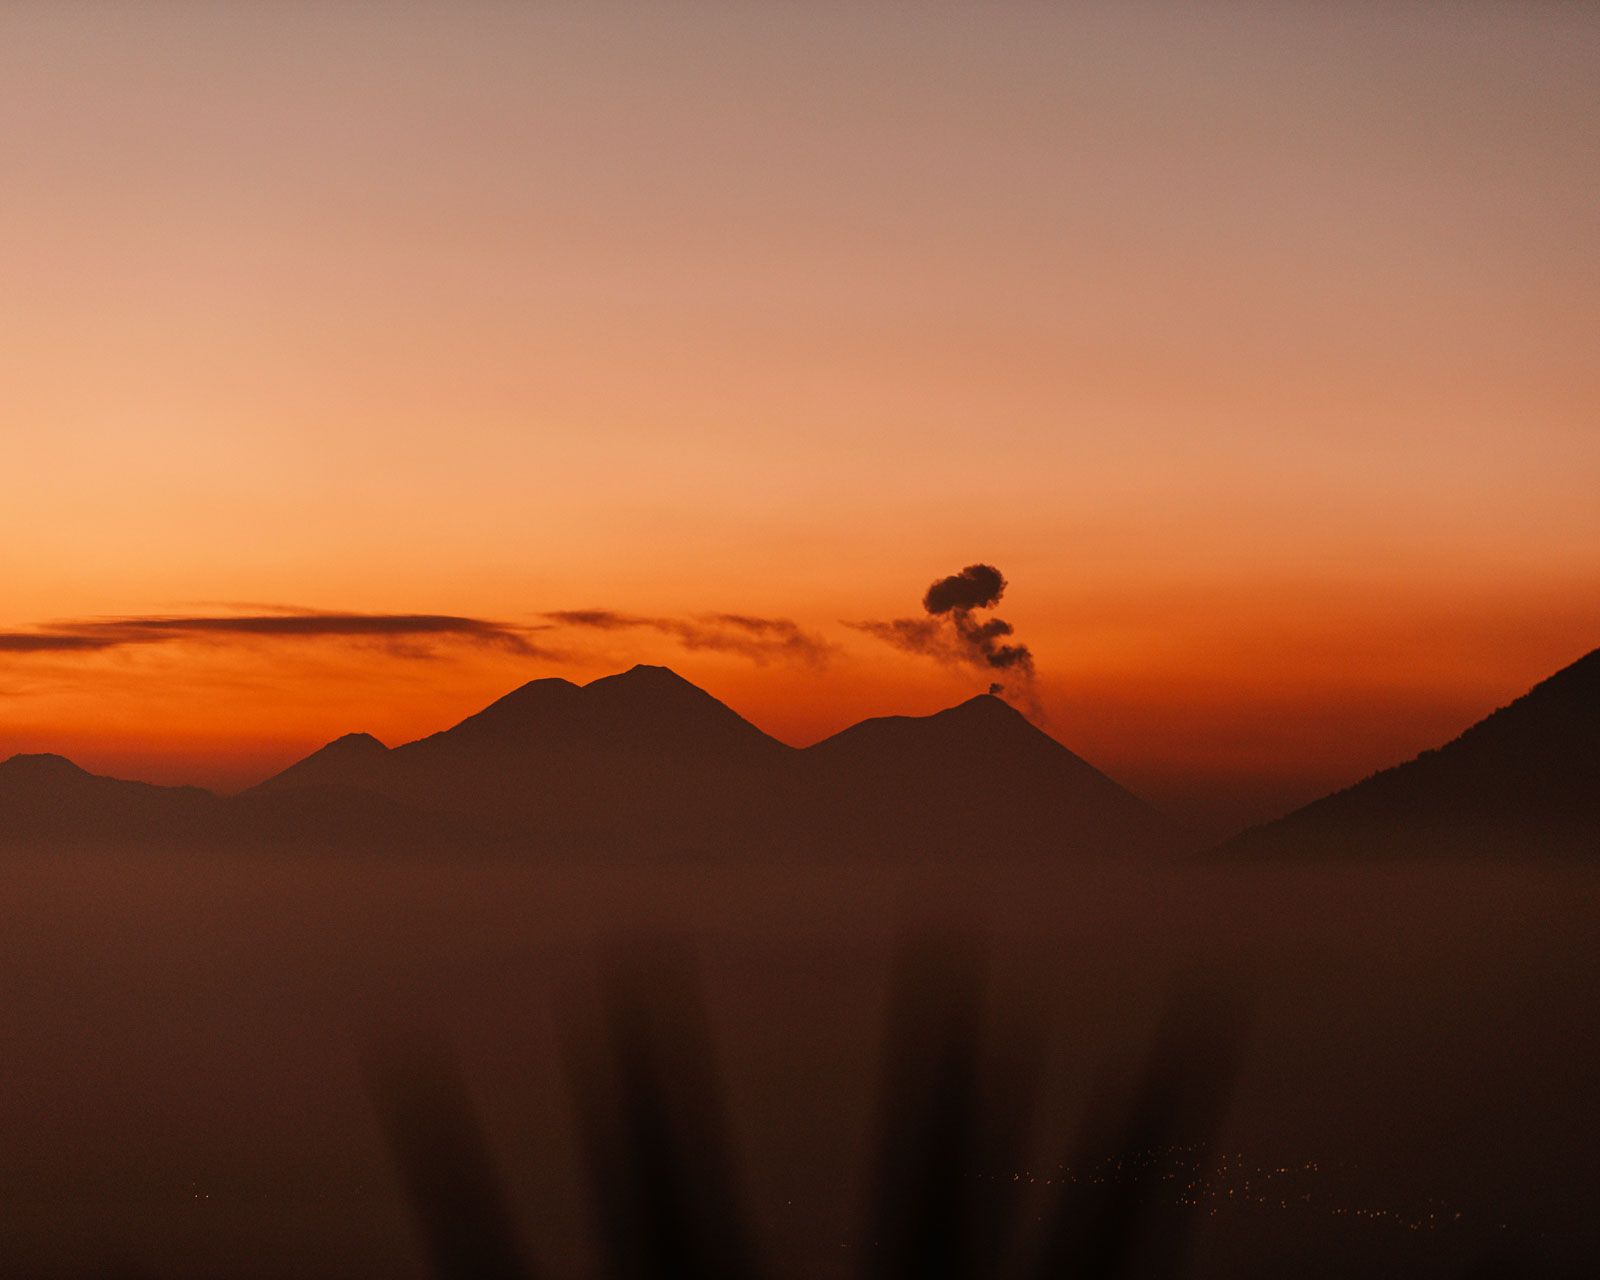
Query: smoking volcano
(952, 632)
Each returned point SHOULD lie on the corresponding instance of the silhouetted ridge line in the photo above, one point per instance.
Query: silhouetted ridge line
(47, 799)
(978, 777)
(1524, 782)
(353, 751)
(53, 771)
(644, 762)
(532, 703)
(43, 764)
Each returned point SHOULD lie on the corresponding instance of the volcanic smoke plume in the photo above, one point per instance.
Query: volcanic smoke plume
(951, 634)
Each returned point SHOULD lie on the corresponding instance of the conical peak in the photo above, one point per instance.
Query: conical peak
(645, 686)
(349, 747)
(985, 706)
(338, 762)
(984, 713)
(551, 692)
(554, 692)
(646, 704)
(984, 722)
(660, 703)
(549, 687)
(353, 743)
(643, 675)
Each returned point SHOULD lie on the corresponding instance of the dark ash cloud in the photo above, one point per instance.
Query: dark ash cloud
(762, 640)
(407, 634)
(978, 586)
(952, 635)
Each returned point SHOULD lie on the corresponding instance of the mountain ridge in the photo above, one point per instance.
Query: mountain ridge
(644, 760)
(979, 775)
(1524, 779)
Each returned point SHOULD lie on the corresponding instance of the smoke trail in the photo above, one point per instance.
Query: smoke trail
(953, 635)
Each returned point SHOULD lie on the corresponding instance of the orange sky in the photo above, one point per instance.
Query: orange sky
(1256, 346)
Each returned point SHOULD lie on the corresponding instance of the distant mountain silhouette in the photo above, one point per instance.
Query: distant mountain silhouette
(47, 797)
(628, 761)
(641, 762)
(1522, 783)
(647, 760)
(339, 763)
(977, 777)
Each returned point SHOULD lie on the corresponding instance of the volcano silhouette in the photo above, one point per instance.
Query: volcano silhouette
(1524, 782)
(626, 762)
(646, 761)
(638, 763)
(976, 778)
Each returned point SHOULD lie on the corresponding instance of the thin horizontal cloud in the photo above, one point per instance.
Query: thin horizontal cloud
(407, 634)
(31, 642)
(417, 635)
(762, 640)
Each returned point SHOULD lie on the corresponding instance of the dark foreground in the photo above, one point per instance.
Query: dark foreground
(281, 1066)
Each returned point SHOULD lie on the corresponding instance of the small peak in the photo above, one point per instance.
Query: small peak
(550, 691)
(644, 671)
(545, 684)
(527, 704)
(642, 680)
(988, 705)
(45, 764)
(356, 743)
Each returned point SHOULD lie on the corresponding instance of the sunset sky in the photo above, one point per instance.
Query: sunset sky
(1256, 345)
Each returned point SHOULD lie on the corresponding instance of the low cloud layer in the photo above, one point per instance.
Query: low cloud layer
(410, 633)
(762, 640)
(422, 635)
(50, 642)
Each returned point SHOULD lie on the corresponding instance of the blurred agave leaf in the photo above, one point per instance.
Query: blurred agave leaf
(458, 1198)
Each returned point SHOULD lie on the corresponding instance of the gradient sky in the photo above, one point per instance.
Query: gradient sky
(1256, 345)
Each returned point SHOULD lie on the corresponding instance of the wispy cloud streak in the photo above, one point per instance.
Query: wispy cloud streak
(410, 634)
(420, 635)
(46, 642)
(762, 640)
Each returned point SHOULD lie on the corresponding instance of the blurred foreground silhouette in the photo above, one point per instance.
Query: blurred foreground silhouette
(667, 1197)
